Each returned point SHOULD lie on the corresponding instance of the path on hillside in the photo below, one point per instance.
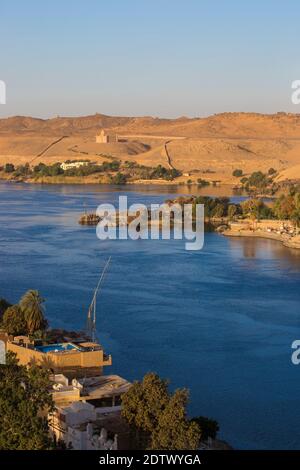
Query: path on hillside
(149, 136)
(168, 155)
(48, 147)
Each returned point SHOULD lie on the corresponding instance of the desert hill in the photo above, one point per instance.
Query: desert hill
(232, 125)
(209, 148)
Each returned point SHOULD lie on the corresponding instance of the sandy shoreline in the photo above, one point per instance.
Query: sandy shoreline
(290, 242)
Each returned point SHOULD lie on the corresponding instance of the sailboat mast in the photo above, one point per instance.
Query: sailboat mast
(92, 312)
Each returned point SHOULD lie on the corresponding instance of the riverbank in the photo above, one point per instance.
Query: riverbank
(104, 179)
(269, 229)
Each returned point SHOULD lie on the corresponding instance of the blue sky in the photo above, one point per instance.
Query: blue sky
(163, 58)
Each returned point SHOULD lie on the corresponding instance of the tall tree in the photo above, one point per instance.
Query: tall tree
(158, 419)
(13, 321)
(174, 431)
(32, 305)
(24, 400)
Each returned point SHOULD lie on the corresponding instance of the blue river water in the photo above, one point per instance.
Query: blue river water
(219, 321)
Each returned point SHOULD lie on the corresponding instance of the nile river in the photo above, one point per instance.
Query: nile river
(219, 321)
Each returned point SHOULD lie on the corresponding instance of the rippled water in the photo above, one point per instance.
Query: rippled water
(219, 321)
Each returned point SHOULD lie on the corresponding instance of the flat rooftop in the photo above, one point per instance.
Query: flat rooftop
(103, 386)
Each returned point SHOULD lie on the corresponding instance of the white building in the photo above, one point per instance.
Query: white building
(88, 412)
(67, 165)
(80, 426)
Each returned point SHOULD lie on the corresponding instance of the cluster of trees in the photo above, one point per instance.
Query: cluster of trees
(47, 170)
(287, 207)
(134, 170)
(222, 207)
(119, 178)
(92, 168)
(218, 207)
(20, 170)
(259, 181)
(26, 317)
(160, 172)
(55, 169)
(256, 209)
(85, 170)
(24, 396)
(158, 418)
(202, 183)
(148, 173)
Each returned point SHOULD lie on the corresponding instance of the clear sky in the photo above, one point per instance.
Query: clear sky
(147, 57)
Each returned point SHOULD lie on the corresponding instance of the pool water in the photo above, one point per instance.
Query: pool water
(56, 347)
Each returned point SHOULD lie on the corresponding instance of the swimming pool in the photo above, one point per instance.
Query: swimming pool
(56, 347)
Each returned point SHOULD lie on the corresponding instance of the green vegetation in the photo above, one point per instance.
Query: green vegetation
(218, 208)
(14, 322)
(47, 170)
(287, 207)
(237, 173)
(209, 427)
(260, 182)
(119, 178)
(232, 211)
(256, 208)
(118, 172)
(148, 173)
(158, 418)
(160, 172)
(31, 304)
(215, 207)
(202, 183)
(24, 318)
(9, 168)
(3, 307)
(23, 170)
(24, 396)
(244, 180)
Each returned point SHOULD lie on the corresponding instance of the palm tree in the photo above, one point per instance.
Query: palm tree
(32, 305)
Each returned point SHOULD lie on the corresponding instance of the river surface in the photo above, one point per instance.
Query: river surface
(219, 321)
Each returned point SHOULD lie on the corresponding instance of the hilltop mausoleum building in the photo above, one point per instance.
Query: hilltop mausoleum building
(104, 138)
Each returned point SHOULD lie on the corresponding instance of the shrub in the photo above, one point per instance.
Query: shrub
(202, 183)
(9, 168)
(237, 173)
(119, 178)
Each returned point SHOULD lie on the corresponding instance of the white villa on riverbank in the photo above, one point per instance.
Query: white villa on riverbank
(67, 165)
